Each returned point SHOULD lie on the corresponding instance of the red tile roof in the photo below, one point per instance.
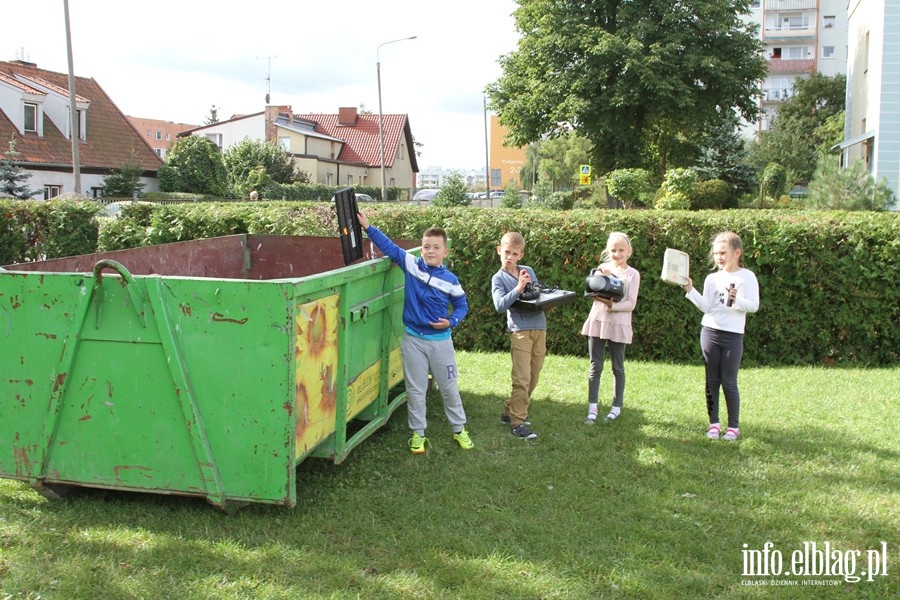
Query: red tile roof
(363, 144)
(111, 138)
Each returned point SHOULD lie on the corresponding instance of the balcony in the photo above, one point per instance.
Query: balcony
(792, 5)
(784, 65)
(791, 34)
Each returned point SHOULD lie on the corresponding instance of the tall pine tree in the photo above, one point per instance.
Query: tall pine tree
(12, 177)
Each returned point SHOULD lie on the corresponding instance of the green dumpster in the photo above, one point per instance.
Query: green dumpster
(207, 368)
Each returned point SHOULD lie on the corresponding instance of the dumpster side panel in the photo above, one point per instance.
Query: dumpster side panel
(36, 315)
(349, 327)
(236, 340)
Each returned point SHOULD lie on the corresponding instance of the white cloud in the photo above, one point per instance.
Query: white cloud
(173, 60)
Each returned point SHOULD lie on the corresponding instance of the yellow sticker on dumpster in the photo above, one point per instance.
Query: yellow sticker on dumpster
(315, 359)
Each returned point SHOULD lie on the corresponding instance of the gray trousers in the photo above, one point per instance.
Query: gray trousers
(617, 357)
(437, 356)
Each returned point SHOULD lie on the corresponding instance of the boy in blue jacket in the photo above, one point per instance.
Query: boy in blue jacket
(431, 290)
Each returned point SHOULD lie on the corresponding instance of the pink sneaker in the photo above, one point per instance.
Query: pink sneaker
(732, 434)
(713, 432)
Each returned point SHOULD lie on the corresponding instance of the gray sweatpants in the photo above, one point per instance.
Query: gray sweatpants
(438, 356)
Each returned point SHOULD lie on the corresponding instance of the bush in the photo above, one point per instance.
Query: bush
(676, 190)
(511, 197)
(711, 194)
(852, 188)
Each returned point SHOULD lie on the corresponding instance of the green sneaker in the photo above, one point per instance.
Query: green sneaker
(417, 443)
(462, 438)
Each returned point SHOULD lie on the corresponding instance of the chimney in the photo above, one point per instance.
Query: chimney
(347, 115)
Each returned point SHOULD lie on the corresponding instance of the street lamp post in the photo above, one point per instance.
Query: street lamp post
(380, 115)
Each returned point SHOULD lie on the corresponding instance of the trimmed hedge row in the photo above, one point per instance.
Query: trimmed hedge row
(828, 280)
(34, 230)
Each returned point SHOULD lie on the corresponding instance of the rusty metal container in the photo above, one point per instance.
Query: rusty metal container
(209, 368)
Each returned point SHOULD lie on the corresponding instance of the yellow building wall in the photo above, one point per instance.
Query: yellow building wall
(508, 160)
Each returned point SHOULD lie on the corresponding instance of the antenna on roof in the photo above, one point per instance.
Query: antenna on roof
(268, 77)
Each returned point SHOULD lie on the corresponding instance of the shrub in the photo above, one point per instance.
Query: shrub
(711, 194)
(676, 190)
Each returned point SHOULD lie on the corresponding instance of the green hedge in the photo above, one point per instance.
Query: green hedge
(31, 230)
(828, 280)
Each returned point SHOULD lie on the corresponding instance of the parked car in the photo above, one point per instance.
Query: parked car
(497, 194)
(113, 209)
(361, 198)
(424, 196)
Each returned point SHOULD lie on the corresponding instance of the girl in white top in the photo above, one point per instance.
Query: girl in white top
(728, 295)
(609, 324)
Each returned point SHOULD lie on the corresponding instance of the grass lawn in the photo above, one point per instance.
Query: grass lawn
(644, 507)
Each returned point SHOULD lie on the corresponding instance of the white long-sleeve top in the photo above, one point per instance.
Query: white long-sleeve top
(713, 302)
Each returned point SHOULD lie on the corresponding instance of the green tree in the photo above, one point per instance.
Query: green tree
(773, 182)
(124, 182)
(511, 197)
(453, 192)
(253, 164)
(561, 156)
(852, 188)
(628, 185)
(194, 164)
(12, 177)
(797, 137)
(635, 78)
(677, 189)
(213, 116)
(724, 156)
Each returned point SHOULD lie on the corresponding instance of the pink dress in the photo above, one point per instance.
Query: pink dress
(614, 323)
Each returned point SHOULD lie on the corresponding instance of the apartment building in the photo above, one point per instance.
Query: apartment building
(872, 124)
(434, 177)
(160, 135)
(800, 37)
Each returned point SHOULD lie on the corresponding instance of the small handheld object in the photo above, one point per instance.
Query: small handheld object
(604, 286)
(348, 224)
(730, 301)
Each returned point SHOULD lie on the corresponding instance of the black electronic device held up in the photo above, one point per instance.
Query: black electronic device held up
(348, 223)
(538, 297)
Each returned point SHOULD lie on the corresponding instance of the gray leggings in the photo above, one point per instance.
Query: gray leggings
(617, 357)
(722, 352)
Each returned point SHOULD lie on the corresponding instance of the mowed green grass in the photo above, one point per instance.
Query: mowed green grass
(644, 507)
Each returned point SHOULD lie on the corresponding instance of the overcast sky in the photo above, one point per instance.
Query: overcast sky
(173, 60)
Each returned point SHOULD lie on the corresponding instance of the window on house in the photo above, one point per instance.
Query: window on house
(159, 152)
(827, 51)
(496, 179)
(96, 192)
(148, 133)
(328, 178)
(168, 136)
(81, 124)
(349, 179)
(215, 138)
(159, 135)
(776, 53)
(399, 152)
(285, 143)
(31, 117)
(828, 21)
(52, 191)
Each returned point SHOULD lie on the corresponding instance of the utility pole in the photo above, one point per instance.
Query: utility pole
(74, 129)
